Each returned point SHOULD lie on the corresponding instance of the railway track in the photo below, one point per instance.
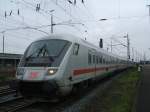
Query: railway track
(10, 102)
(6, 90)
(23, 105)
(17, 105)
(7, 94)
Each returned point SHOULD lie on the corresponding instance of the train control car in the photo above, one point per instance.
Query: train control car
(55, 64)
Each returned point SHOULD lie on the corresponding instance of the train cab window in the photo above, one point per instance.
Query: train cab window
(89, 58)
(76, 49)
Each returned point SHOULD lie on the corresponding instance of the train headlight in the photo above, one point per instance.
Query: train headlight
(52, 71)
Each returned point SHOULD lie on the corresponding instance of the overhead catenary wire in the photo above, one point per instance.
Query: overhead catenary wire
(68, 13)
(41, 9)
(20, 37)
(35, 28)
(16, 21)
(86, 28)
(41, 12)
(88, 11)
(26, 27)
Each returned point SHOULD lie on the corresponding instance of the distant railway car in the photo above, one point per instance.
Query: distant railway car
(57, 63)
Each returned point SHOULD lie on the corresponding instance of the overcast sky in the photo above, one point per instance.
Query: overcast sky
(123, 16)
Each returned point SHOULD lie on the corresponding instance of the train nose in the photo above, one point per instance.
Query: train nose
(38, 89)
(34, 74)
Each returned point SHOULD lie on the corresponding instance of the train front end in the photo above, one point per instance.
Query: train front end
(39, 67)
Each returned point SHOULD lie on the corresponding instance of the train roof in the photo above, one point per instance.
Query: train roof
(76, 39)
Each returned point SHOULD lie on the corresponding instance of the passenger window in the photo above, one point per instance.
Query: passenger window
(97, 59)
(89, 58)
(93, 58)
(104, 60)
(76, 49)
(101, 59)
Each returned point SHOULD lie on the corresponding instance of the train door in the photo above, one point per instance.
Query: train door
(92, 61)
(96, 65)
(98, 68)
(74, 61)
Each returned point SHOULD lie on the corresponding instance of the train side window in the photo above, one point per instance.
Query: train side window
(104, 60)
(101, 61)
(117, 61)
(76, 49)
(97, 59)
(89, 58)
(93, 58)
(110, 60)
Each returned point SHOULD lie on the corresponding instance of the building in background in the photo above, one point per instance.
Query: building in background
(9, 62)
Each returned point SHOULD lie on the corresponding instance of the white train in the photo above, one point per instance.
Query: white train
(57, 63)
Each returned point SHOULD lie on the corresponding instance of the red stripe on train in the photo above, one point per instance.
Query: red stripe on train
(82, 71)
(88, 70)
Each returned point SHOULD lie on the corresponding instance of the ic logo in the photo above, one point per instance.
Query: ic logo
(33, 75)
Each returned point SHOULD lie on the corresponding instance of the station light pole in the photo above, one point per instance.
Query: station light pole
(52, 23)
(111, 45)
(132, 54)
(149, 58)
(149, 9)
(3, 43)
(3, 38)
(128, 47)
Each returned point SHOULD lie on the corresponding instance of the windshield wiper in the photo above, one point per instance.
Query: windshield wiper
(30, 56)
